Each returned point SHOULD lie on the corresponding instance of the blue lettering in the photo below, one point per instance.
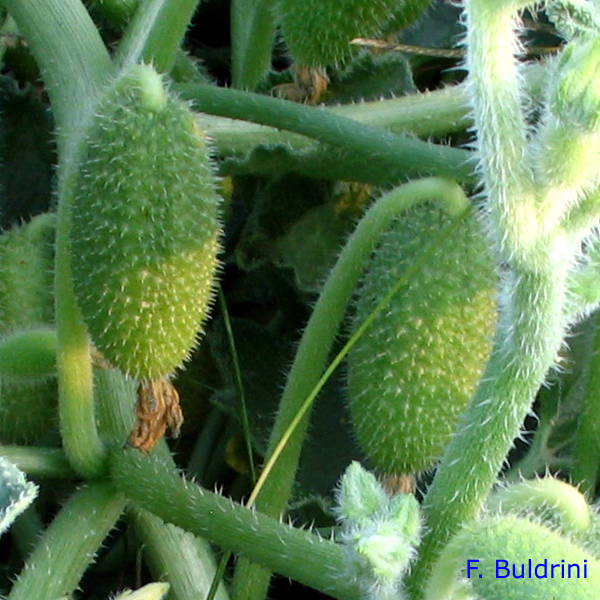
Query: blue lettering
(469, 568)
(500, 567)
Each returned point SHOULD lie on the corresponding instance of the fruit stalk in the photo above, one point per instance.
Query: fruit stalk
(318, 338)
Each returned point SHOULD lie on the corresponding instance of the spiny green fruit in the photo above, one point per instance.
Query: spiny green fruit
(412, 372)
(26, 273)
(28, 404)
(318, 33)
(144, 231)
(406, 15)
(508, 547)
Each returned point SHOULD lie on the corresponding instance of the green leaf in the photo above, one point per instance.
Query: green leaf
(16, 493)
(312, 244)
(373, 77)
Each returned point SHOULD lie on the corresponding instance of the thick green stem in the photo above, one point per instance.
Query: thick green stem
(68, 546)
(176, 556)
(529, 337)
(318, 338)
(390, 151)
(155, 33)
(495, 87)
(152, 484)
(39, 462)
(586, 453)
(76, 66)
(431, 114)
(187, 562)
(436, 113)
(252, 37)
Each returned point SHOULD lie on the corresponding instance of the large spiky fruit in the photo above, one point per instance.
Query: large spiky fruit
(318, 32)
(413, 371)
(144, 230)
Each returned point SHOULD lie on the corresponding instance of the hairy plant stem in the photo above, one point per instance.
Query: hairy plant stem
(187, 562)
(429, 114)
(76, 66)
(67, 547)
(252, 36)
(39, 462)
(435, 113)
(155, 33)
(154, 485)
(532, 317)
(381, 148)
(586, 453)
(315, 347)
(529, 336)
(176, 556)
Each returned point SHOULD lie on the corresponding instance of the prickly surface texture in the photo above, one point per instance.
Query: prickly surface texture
(517, 541)
(144, 228)
(413, 371)
(27, 406)
(318, 32)
(26, 273)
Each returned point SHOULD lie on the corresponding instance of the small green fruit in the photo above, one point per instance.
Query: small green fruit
(27, 395)
(413, 371)
(26, 272)
(318, 33)
(505, 543)
(144, 232)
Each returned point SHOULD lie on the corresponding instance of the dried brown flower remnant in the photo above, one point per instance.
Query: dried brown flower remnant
(157, 409)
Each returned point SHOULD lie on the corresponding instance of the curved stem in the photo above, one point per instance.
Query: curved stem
(68, 546)
(434, 113)
(316, 343)
(415, 157)
(155, 33)
(76, 66)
